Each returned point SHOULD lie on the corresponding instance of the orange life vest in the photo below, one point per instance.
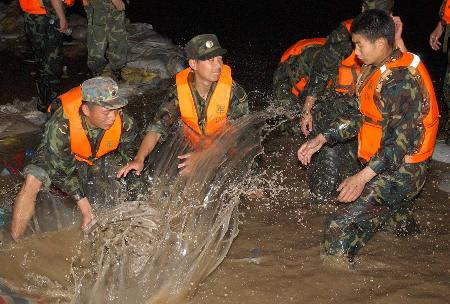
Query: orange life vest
(297, 49)
(216, 113)
(36, 7)
(370, 133)
(33, 7)
(446, 12)
(348, 70)
(79, 142)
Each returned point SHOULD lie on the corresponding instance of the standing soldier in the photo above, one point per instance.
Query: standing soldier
(443, 23)
(396, 127)
(107, 36)
(45, 21)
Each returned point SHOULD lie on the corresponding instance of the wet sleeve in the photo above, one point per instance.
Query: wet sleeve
(60, 158)
(239, 102)
(168, 114)
(326, 63)
(346, 126)
(128, 140)
(400, 105)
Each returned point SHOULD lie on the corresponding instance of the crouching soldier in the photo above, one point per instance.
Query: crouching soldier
(88, 125)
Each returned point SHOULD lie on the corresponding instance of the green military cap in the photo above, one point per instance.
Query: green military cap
(102, 91)
(204, 47)
(385, 5)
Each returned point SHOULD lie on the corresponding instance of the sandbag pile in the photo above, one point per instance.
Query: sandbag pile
(20, 117)
(11, 21)
(151, 57)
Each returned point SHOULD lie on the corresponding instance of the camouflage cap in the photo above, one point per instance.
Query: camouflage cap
(385, 5)
(103, 91)
(204, 47)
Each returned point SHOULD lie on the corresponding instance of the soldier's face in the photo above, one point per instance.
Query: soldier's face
(99, 117)
(207, 70)
(367, 51)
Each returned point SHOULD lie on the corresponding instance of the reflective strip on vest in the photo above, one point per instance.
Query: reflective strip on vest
(370, 133)
(33, 7)
(446, 15)
(79, 142)
(216, 113)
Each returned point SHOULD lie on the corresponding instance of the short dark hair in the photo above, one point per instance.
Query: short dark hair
(374, 24)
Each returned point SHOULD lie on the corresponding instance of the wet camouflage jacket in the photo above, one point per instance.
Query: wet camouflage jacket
(326, 63)
(169, 112)
(400, 102)
(55, 157)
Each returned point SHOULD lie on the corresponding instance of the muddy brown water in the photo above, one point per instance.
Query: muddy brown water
(276, 258)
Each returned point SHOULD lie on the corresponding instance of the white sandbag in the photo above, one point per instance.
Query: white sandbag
(441, 153)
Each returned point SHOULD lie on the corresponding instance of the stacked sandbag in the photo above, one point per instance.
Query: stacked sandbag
(151, 57)
(11, 21)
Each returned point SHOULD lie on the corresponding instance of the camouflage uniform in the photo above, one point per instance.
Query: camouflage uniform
(446, 84)
(54, 163)
(169, 111)
(332, 164)
(288, 74)
(107, 36)
(46, 45)
(387, 198)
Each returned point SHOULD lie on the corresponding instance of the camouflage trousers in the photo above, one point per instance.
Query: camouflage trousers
(46, 44)
(106, 38)
(332, 164)
(385, 202)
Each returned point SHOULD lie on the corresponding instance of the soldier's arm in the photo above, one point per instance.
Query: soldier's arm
(238, 103)
(400, 106)
(61, 158)
(345, 127)
(58, 6)
(326, 63)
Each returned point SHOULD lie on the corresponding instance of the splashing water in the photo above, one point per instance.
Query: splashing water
(158, 250)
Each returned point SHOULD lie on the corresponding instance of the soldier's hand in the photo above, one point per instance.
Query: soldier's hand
(352, 187)
(118, 4)
(435, 36)
(136, 165)
(186, 164)
(310, 147)
(398, 27)
(306, 123)
(88, 218)
(63, 25)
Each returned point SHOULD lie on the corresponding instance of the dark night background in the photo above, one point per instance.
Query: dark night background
(257, 32)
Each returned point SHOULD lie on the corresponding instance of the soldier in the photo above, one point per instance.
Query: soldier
(45, 21)
(204, 98)
(107, 36)
(444, 14)
(396, 125)
(328, 60)
(88, 126)
(332, 82)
